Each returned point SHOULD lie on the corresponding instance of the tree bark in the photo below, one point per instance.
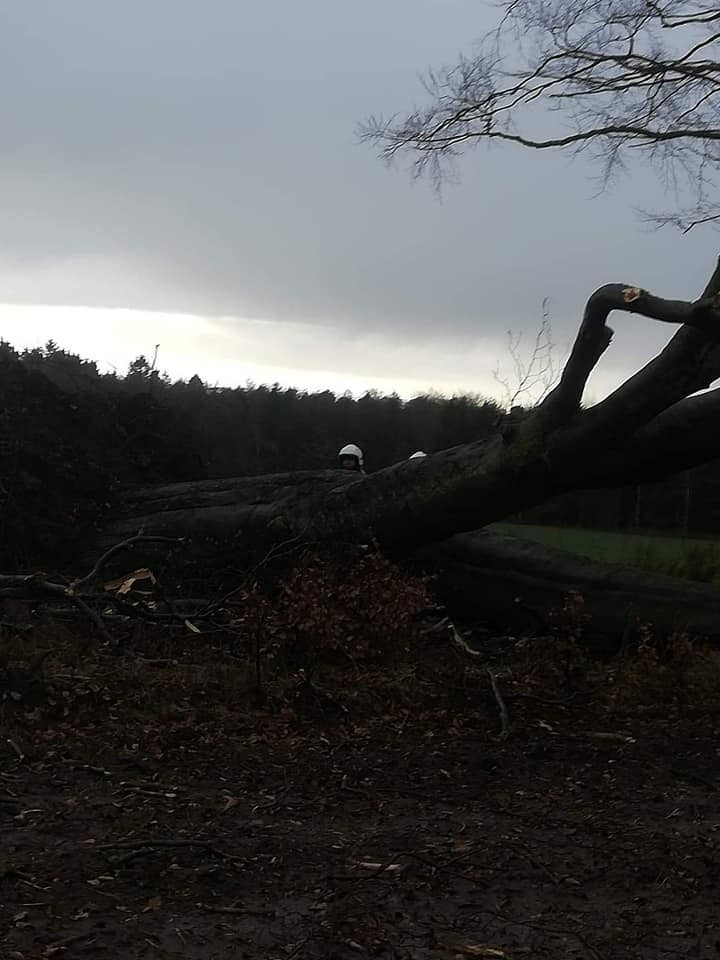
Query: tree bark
(650, 427)
(508, 582)
(513, 584)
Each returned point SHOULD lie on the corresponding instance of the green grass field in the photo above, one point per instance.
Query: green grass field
(692, 558)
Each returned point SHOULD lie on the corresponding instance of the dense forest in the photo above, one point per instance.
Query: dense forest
(71, 436)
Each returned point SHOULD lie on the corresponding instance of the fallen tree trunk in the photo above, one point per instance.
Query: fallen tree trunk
(513, 584)
(650, 427)
(509, 582)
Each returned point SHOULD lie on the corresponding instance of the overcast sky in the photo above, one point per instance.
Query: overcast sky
(189, 171)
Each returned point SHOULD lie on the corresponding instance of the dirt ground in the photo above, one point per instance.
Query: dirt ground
(148, 811)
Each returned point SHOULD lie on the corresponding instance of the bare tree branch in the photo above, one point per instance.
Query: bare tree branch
(594, 336)
(535, 372)
(128, 544)
(690, 362)
(611, 76)
(557, 447)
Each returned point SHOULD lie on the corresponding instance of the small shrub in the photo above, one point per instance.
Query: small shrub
(357, 609)
(667, 670)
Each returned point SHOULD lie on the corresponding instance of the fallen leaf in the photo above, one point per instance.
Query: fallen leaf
(385, 868)
(476, 950)
(126, 583)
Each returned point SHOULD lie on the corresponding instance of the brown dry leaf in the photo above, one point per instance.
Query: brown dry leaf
(126, 583)
(231, 802)
(154, 904)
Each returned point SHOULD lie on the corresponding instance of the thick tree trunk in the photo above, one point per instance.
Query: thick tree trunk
(515, 583)
(420, 501)
(508, 582)
(650, 427)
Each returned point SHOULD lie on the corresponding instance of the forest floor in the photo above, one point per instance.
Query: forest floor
(148, 810)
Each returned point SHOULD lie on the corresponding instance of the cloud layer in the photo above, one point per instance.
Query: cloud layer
(200, 159)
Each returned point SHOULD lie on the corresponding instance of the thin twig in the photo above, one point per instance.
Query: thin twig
(26, 583)
(97, 620)
(124, 545)
(239, 911)
(275, 553)
(16, 748)
(463, 644)
(504, 716)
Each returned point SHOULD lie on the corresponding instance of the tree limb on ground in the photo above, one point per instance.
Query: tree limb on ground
(651, 425)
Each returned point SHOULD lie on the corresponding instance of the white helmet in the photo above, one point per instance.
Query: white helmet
(352, 450)
(417, 455)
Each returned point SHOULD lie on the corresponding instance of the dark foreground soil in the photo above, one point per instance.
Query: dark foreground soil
(148, 812)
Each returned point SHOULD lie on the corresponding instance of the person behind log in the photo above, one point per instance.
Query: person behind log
(351, 458)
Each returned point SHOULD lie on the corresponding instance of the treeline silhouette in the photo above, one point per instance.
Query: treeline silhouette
(71, 436)
(188, 430)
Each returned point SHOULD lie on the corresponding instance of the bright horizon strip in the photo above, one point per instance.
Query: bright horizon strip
(218, 351)
(189, 345)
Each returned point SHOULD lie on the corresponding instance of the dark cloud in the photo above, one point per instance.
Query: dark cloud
(200, 158)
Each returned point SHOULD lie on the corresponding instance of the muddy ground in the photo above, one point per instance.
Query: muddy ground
(151, 811)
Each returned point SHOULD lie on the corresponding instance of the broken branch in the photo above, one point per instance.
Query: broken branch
(594, 336)
(117, 548)
(504, 716)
